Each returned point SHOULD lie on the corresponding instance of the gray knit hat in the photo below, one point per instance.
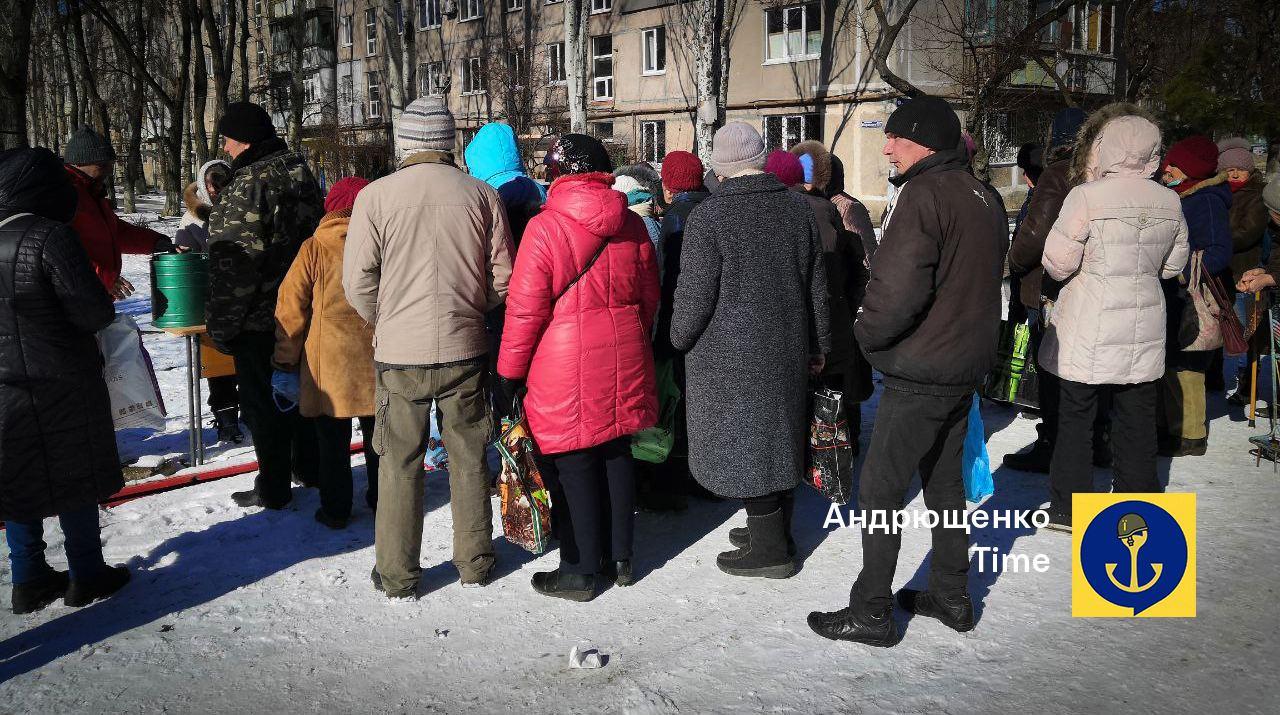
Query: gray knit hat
(1235, 153)
(1271, 194)
(426, 124)
(87, 147)
(736, 146)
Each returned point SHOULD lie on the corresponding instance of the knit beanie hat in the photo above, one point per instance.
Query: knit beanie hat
(1066, 125)
(246, 122)
(577, 154)
(786, 166)
(682, 171)
(627, 184)
(1271, 194)
(425, 125)
(926, 120)
(1234, 153)
(87, 147)
(1031, 160)
(737, 146)
(1196, 156)
(342, 195)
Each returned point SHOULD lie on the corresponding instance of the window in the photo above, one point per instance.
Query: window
(793, 33)
(980, 18)
(344, 30)
(375, 95)
(554, 2)
(555, 63)
(515, 65)
(257, 7)
(348, 97)
(513, 5)
(431, 79)
(654, 42)
(784, 131)
(601, 6)
(602, 66)
(1092, 23)
(470, 10)
(371, 31)
(653, 141)
(602, 130)
(262, 58)
(468, 133)
(428, 14)
(473, 80)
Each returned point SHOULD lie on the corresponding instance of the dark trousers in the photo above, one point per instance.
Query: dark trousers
(766, 504)
(222, 393)
(80, 540)
(1133, 440)
(913, 432)
(278, 437)
(333, 437)
(593, 498)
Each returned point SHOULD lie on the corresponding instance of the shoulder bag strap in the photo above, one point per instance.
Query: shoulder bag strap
(585, 268)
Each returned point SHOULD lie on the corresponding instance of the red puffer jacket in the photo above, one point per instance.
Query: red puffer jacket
(586, 358)
(102, 233)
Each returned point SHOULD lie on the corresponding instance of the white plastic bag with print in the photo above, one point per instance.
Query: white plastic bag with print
(131, 380)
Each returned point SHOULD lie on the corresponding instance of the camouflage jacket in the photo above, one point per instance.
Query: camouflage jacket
(271, 206)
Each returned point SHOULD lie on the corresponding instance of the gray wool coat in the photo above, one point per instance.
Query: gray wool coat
(749, 309)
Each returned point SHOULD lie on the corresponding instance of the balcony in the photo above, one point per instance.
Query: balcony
(281, 9)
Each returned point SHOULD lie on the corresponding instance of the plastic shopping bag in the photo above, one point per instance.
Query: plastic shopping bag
(976, 463)
(654, 445)
(526, 503)
(830, 453)
(131, 380)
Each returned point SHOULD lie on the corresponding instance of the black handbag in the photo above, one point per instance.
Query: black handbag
(830, 452)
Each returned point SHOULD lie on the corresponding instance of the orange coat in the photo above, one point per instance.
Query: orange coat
(319, 334)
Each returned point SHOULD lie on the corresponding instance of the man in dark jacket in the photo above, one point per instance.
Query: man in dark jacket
(271, 206)
(929, 324)
(56, 436)
(1051, 189)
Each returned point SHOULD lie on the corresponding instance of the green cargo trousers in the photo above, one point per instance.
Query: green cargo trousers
(404, 397)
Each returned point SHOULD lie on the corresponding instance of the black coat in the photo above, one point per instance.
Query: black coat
(1027, 249)
(57, 442)
(750, 309)
(671, 238)
(931, 317)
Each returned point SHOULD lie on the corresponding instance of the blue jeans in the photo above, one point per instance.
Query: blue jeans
(81, 541)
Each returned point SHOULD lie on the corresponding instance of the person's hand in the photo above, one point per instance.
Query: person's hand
(181, 249)
(1254, 280)
(122, 288)
(816, 364)
(506, 395)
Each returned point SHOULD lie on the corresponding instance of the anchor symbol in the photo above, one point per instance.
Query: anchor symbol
(1133, 532)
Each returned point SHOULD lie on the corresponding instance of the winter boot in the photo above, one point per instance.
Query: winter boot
(620, 572)
(227, 421)
(332, 522)
(847, 624)
(955, 611)
(39, 592)
(84, 592)
(1059, 521)
(739, 536)
(1036, 459)
(766, 552)
(251, 497)
(570, 586)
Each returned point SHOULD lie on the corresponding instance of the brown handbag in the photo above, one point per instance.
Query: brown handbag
(1233, 340)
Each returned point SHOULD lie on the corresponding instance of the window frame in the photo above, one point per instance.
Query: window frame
(660, 51)
(788, 58)
(372, 86)
(346, 31)
(473, 69)
(513, 5)
(428, 71)
(427, 11)
(465, 6)
(600, 7)
(555, 50)
(606, 79)
(804, 118)
(370, 32)
(659, 138)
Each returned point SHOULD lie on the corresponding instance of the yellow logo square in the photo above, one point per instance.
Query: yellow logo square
(1133, 555)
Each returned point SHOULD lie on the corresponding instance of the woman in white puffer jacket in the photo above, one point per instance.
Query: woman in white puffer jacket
(1118, 234)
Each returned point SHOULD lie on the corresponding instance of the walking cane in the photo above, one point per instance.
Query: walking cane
(1254, 356)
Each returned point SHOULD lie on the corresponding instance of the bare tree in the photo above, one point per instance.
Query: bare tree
(886, 37)
(15, 46)
(575, 62)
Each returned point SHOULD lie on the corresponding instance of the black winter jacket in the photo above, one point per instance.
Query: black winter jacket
(57, 442)
(1027, 249)
(671, 238)
(931, 316)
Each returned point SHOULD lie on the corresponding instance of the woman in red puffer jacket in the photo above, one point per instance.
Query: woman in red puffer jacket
(580, 309)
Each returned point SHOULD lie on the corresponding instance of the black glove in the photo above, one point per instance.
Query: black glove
(507, 391)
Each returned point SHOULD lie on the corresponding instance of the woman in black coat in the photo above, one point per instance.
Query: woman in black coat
(57, 443)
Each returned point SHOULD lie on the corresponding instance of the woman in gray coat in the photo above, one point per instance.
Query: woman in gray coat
(750, 309)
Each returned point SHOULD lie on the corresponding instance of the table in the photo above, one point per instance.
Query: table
(195, 405)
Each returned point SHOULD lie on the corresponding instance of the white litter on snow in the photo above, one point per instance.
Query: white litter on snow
(585, 657)
(248, 610)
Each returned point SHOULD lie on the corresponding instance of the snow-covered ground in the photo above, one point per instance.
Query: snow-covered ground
(246, 610)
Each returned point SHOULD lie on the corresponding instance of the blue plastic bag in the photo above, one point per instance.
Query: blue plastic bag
(976, 463)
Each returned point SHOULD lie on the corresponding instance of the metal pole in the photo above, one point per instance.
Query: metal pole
(192, 425)
(195, 382)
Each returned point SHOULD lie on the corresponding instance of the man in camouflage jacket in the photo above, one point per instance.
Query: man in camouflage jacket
(272, 205)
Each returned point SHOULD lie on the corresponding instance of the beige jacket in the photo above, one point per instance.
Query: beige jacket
(1116, 236)
(428, 254)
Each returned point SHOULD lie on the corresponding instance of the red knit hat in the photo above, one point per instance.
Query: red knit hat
(342, 195)
(682, 171)
(1197, 156)
(787, 167)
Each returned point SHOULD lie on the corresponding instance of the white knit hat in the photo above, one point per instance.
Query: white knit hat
(426, 124)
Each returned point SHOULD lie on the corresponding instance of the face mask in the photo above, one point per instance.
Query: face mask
(1237, 185)
(1173, 182)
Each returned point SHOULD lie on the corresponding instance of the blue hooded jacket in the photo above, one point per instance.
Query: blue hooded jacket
(493, 157)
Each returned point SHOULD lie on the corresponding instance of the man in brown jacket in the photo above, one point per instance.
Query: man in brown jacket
(428, 254)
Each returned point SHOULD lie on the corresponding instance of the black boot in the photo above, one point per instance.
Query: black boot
(330, 521)
(570, 586)
(955, 611)
(227, 421)
(84, 592)
(619, 572)
(847, 624)
(766, 552)
(1035, 460)
(39, 592)
(251, 497)
(738, 538)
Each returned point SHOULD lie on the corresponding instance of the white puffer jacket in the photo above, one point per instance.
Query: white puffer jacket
(1117, 235)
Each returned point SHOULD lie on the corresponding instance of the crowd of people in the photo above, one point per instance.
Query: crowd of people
(472, 292)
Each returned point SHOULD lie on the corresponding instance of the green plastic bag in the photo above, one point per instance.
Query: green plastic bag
(654, 445)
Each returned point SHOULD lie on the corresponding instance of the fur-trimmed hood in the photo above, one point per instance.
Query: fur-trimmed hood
(195, 207)
(1091, 133)
(821, 157)
(1216, 180)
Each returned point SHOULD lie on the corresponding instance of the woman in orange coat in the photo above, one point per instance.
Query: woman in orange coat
(324, 356)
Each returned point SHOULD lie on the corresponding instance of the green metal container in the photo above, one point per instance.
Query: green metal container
(178, 285)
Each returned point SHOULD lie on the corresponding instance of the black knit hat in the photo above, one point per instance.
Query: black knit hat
(246, 122)
(578, 154)
(87, 147)
(926, 120)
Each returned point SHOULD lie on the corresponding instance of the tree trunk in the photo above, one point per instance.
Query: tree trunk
(393, 62)
(296, 79)
(91, 89)
(575, 60)
(15, 57)
(201, 146)
(244, 51)
(69, 73)
(133, 145)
